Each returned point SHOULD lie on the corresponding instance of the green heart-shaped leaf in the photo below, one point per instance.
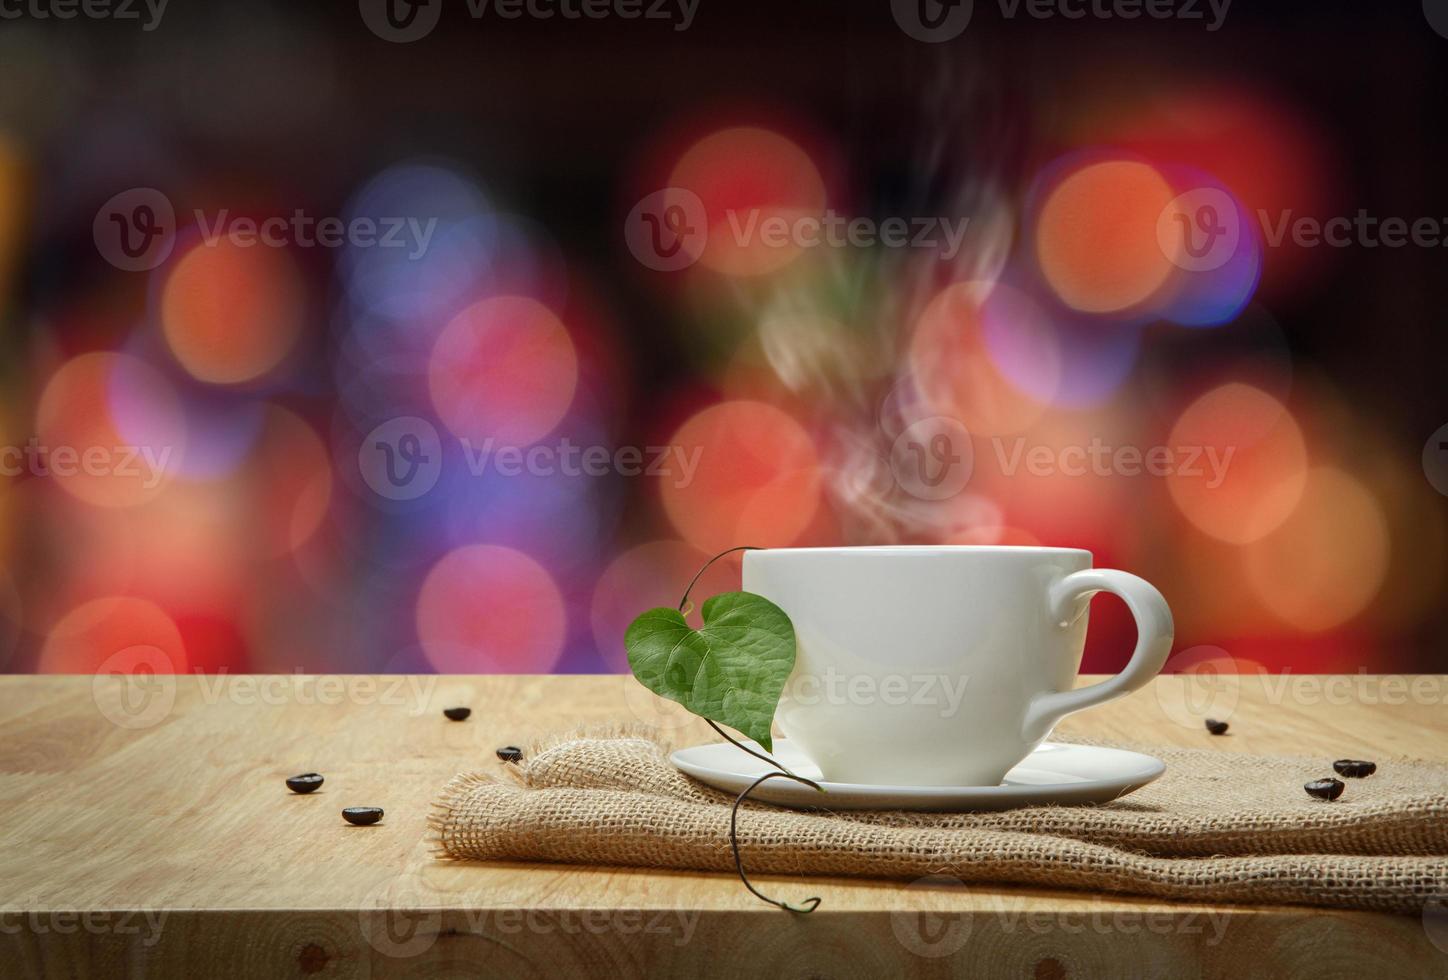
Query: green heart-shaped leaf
(731, 670)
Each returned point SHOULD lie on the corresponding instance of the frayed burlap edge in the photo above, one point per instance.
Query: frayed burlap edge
(460, 786)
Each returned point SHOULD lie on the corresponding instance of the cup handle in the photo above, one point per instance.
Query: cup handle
(1154, 633)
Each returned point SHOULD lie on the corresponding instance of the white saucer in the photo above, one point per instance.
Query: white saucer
(1055, 773)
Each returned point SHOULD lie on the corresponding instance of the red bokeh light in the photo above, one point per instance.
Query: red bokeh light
(490, 609)
(757, 480)
(747, 177)
(506, 369)
(95, 631)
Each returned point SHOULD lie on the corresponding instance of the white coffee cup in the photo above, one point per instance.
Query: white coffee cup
(942, 665)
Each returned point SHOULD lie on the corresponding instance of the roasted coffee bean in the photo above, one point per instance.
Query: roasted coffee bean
(1354, 768)
(362, 815)
(510, 753)
(1325, 789)
(457, 714)
(304, 783)
(1216, 727)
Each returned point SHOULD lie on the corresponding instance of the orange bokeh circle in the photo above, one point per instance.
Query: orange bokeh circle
(1323, 565)
(1242, 463)
(231, 314)
(756, 480)
(1096, 236)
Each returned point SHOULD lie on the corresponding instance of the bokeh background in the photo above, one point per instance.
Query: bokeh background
(293, 443)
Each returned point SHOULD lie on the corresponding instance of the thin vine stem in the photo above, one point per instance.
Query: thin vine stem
(700, 573)
(810, 904)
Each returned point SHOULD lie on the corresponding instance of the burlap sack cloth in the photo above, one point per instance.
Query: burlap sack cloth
(1217, 827)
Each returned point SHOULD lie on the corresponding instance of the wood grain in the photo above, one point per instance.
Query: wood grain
(147, 833)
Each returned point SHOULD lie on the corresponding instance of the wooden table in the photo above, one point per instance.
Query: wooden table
(145, 831)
